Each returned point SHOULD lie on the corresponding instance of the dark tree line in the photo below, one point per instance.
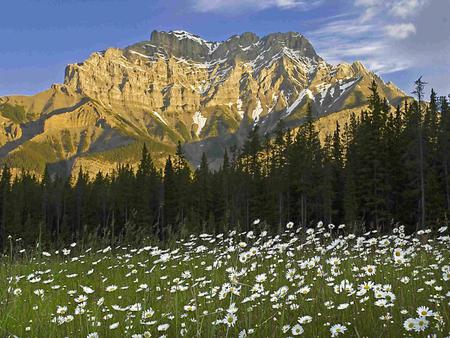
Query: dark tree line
(380, 167)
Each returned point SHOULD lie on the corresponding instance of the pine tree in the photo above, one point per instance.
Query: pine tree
(147, 191)
(222, 197)
(394, 166)
(58, 207)
(80, 202)
(99, 208)
(434, 192)
(46, 186)
(123, 192)
(368, 152)
(411, 196)
(384, 166)
(350, 202)
(305, 159)
(183, 181)
(171, 203)
(202, 194)
(337, 176)
(250, 168)
(444, 150)
(277, 175)
(5, 189)
(327, 181)
(419, 89)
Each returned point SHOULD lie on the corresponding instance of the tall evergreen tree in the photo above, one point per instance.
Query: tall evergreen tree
(444, 150)
(147, 190)
(384, 166)
(171, 203)
(250, 165)
(5, 189)
(419, 92)
(202, 194)
(80, 202)
(337, 176)
(305, 160)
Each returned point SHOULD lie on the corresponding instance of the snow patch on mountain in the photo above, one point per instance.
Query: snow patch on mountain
(303, 93)
(274, 102)
(239, 108)
(344, 86)
(203, 87)
(212, 46)
(182, 35)
(323, 90)
(160, 118)
(293, 54)
(208, 65)
(200, 121)
(140, 54)
(257, 111)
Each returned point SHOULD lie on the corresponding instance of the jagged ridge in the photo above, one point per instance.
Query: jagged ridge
(177, 86)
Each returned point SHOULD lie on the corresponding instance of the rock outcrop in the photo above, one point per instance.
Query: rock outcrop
(177, 87)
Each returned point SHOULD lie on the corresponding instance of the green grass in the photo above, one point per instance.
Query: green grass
(183, 130)
(132, 152)
(222, 120)
(16, 114)
(217, 263)
(33, 155)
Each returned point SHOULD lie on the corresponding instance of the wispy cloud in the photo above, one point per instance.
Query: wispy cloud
(402, 9)
(386, 35)
(407, 8)
(238, 5)
(372, 34)
(400, 31)
(348, 27)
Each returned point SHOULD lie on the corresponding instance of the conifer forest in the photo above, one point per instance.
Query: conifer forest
(384, 167)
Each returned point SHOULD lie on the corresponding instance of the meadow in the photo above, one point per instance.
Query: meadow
(311, 282)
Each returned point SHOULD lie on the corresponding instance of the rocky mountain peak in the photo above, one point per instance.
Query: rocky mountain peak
(292, 41)
(246, 46)
(177, 86)
(180, 44)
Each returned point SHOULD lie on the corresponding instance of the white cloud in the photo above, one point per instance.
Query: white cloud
(347, 27)
(400, 9)
(367, 3)
(374, 34)
(237, 5)
(386, 35)
(406, 8)
(400, 31)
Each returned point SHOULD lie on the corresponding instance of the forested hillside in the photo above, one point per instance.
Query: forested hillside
(380, 168)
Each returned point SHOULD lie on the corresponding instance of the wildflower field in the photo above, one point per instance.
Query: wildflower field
(312, 282)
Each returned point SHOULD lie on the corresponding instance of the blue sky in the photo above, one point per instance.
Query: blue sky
(399, 39)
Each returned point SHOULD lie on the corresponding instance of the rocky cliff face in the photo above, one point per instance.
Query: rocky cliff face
(177, 87)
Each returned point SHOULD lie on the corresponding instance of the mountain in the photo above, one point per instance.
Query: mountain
(178, 87)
